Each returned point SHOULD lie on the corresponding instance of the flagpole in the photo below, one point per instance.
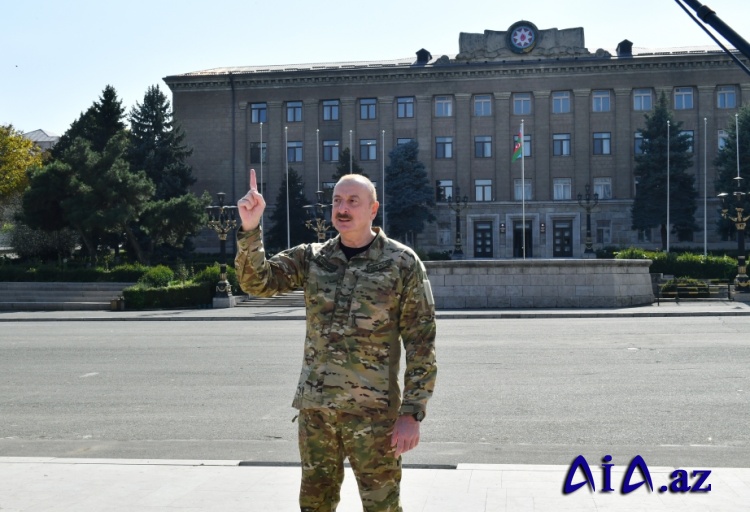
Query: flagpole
(262, 191)
(351, 152)
(705, 191)
(668, 194)
(288, 224)
(523, 194)
(382, 153)
(317, 145)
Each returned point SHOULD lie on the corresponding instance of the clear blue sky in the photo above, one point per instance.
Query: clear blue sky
(57, 56)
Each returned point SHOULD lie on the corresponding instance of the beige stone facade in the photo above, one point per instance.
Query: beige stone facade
(581, 110)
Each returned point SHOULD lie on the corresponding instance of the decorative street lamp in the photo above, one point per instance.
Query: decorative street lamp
(317, 217)
(588, 203)
(222, 219)
(457, 204)
(740, 222)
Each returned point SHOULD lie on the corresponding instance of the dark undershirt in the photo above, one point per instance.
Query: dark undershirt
(351, 252)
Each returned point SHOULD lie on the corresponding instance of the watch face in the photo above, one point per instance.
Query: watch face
(522, 37)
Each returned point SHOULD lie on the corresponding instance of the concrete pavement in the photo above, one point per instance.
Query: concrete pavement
(95, 485)
(89, 485)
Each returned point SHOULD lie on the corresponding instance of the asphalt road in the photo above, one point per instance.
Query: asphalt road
(510, 391)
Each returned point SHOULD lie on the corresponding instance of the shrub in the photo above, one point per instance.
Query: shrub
(209, 276)
(158, 276)
(684, 264)
(179, 296)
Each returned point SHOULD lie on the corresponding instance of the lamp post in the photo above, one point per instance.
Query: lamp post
(457, 204)
(317, 217)
(740, 222)
(222, 219)
(588, 202)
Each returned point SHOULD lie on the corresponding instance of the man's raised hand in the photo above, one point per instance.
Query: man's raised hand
(251, 205)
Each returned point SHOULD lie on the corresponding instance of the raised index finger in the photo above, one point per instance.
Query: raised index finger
(253, 180)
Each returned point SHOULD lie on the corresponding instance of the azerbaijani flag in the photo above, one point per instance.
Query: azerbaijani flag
(518, 148)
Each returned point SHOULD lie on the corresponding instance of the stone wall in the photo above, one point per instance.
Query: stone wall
(560, 283)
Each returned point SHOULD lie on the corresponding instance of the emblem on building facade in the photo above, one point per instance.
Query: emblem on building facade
(522, 37)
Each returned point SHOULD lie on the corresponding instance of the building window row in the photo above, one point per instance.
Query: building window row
(562, 189)
(683, 98)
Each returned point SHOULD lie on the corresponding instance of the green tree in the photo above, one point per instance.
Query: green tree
(342, 168)
(156, 146)
(650, 204)
(410, 198)
(89, 185)
(726, 166)
(299, 233)
(17, 156)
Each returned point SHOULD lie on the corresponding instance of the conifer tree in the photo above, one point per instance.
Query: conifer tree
(276, 238)
(409, 197)
(650, 204)
(726, 167)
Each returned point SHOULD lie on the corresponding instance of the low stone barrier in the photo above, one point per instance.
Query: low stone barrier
(536, 283)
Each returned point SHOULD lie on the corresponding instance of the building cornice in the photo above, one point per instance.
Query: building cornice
(454, 71)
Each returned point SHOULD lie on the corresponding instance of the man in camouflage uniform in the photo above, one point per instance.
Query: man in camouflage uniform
(365, 296)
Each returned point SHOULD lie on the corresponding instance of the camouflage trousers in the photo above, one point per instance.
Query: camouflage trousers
(326, 438)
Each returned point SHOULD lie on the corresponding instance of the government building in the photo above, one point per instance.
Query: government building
(581, 112)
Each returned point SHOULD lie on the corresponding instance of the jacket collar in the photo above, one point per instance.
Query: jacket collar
(374, 252)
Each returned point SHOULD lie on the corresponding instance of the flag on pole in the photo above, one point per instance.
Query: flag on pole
(518, 148)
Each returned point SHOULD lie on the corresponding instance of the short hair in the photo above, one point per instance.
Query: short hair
(362, 180)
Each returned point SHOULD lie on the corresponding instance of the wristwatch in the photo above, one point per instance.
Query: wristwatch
(419, 416)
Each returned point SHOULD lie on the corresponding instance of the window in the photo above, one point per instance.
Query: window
(294, 151)
(293, 111)
(331, 110)
(368, 108)
(483, 189)
(368, 149)
(688, 134)
(603, 187)
(560, 102)
(518, 187)
(600, 101)
(683, 98)
(723, 136)
(257, 153)
(482, 105)
(561, 189)
(526, 146)
(726, 96)
(403, 141)
(642, 99)
(602, 143)
(522, 103)
(638, 143)
(443, 106)
(258, 112)
(443, 147)
(561, 144)
(443, 190)
(405, 107)
(483, 147)
(330, 150)
(603, 232)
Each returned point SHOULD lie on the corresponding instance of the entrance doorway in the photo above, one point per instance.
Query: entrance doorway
(562, 234)
(518, 239)
(483, 240)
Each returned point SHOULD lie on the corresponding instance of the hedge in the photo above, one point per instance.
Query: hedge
(684, 264)
(179, 296)
(53, 273)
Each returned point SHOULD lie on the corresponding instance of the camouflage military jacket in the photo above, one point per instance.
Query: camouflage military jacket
(359, 314)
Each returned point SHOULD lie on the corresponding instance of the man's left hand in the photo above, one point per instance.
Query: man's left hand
(405, 434)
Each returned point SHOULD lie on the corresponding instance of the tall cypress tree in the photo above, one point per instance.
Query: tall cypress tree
(650, 204)
(156, 147)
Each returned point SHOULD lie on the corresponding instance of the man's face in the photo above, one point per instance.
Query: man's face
(353, 210)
